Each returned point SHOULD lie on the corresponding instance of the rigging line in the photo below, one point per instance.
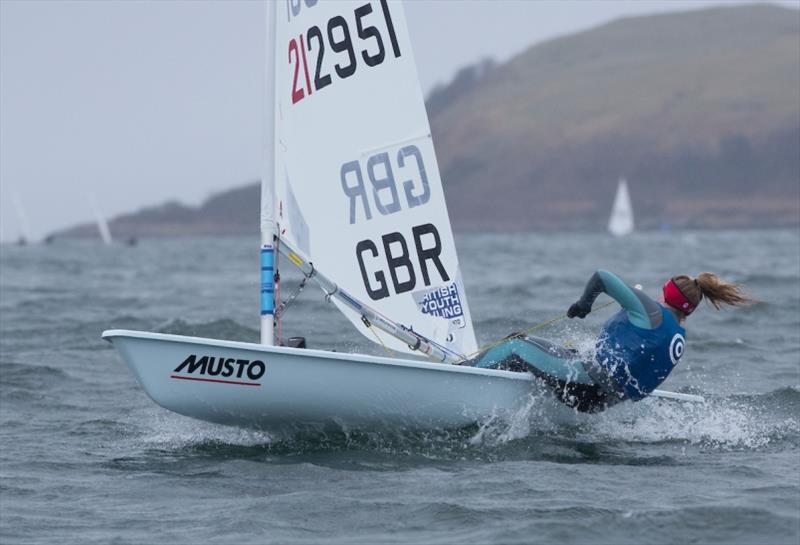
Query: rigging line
(286, 304)
(441, 346)
(422, 337)
(369, 326)
(276, 280)
(283, 306)
(522, 334)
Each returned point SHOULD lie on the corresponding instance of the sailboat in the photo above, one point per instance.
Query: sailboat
(352, 197)
(621, 221)
(22, 218)
(102, 223)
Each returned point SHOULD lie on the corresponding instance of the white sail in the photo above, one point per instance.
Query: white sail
(102, 223)
(357, 186)
(621, 221)
(22, 218)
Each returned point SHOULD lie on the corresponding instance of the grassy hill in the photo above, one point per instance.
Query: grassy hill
(699, 110)
(232, 212)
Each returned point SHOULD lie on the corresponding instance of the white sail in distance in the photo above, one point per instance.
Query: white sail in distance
(22, 218)
(102, 223)
(621, 221)
(357, 185)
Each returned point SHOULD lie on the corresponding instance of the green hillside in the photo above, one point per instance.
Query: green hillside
(699, 110)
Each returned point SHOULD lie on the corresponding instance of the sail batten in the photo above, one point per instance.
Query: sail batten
(357, 186)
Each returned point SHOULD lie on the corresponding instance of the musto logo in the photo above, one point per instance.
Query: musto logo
(442, 302)
(232, 370)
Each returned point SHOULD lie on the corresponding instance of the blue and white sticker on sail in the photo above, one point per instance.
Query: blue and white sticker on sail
(443, 302)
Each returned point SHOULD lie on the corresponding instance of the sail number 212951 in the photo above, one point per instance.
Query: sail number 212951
(350, 48)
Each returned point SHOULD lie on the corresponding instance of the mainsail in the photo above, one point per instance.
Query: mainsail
(621, 221)
(357, 190)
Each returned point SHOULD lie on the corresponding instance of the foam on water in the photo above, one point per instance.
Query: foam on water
(158, 428)
(726, 423)
(744, 423)
(536, 414)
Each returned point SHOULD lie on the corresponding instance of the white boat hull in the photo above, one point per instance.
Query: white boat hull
(299, 389)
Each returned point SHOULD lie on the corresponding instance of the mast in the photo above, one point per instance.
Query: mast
(268, 270)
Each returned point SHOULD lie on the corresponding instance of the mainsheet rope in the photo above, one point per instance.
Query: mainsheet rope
(367, 323)
(481, 349)
(521, 334)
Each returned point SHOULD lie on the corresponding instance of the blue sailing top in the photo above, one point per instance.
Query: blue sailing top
(640, 345)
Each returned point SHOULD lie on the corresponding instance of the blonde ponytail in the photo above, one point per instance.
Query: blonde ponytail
(716, 290)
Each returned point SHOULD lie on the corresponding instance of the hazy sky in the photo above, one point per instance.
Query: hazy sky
(138, 102)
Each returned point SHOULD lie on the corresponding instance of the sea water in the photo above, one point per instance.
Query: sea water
(87, 457)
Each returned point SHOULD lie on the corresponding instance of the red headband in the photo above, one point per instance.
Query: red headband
(675, 298)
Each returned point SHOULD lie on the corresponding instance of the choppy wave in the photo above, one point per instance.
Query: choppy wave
(75, 424)
(735, 422)
(217, 329)
(31, 376)
(746, 422)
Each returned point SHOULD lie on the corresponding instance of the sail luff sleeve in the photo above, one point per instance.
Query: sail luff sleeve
(268, 116)
(267, 220)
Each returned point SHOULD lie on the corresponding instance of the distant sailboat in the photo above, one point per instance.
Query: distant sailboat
(22, 218)
(102, 224)
(621, 221)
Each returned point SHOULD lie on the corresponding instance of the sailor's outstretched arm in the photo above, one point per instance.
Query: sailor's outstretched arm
(642, 311)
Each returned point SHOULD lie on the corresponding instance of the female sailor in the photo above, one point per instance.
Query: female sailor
(637, 348)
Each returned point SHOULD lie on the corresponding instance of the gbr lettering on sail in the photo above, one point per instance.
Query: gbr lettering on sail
(393, 248)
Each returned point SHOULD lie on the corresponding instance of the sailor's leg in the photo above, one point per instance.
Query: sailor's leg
(502, 356)
(555, 361)
(585, 398)
(559, 368)
(532, 354)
